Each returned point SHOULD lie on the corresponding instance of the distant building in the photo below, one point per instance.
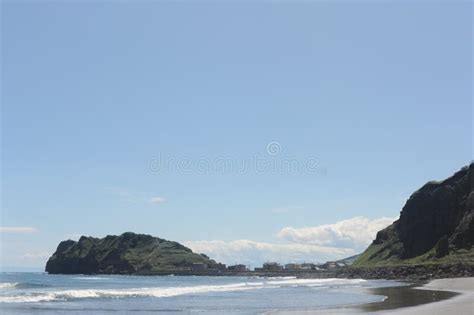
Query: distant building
(293, 266)
(198, 267)
(214, 268)
(309, 266)
(220, 266)
(330, 265)
(238, 268)
(272, 266)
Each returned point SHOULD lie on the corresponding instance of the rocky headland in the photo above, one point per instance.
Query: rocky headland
(436, 226)
(128, 253)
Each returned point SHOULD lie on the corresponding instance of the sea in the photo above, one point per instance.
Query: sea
(41, 293)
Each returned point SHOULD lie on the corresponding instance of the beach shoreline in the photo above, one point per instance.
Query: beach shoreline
(306, 296)
(460, 304)
(439, 296)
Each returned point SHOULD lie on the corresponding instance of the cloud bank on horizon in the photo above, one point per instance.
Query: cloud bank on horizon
(311, 244)
(353, 233)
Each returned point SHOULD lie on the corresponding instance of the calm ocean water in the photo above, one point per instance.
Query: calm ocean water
(33, 293)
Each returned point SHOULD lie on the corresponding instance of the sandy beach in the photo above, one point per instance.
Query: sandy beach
(459, 305)
(441, 296)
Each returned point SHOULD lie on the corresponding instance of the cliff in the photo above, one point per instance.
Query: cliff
(436, 225)
(128, 253)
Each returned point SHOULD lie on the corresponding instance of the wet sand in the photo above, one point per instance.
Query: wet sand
(442, 296)
(462, 303)
(402, 297)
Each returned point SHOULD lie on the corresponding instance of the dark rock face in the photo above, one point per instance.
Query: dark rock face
(436, 210)
(439, 216)
(128, 253)
(442, 247)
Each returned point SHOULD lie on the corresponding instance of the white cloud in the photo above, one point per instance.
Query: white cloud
(17, 229)
(354, 233)
(255, 253)
(157, 200)
(311, 244)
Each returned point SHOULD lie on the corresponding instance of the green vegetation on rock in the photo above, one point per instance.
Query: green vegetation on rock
(128, 253)
(436, 226)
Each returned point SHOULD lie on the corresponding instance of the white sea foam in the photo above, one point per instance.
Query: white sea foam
(43, 297)
(8, 285)
(163, 292)
(331, 282)
(92, 278)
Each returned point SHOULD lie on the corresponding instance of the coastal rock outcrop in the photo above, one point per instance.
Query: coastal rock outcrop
(435, 225)
(128, 253)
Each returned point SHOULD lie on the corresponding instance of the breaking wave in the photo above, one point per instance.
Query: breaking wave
(21, 285)
(92, 278)
(8, 285)
(163, 292)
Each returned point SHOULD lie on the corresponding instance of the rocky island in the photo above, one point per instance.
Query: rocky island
(128, 253)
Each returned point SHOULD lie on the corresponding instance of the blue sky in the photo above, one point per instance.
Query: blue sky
(95, 93)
